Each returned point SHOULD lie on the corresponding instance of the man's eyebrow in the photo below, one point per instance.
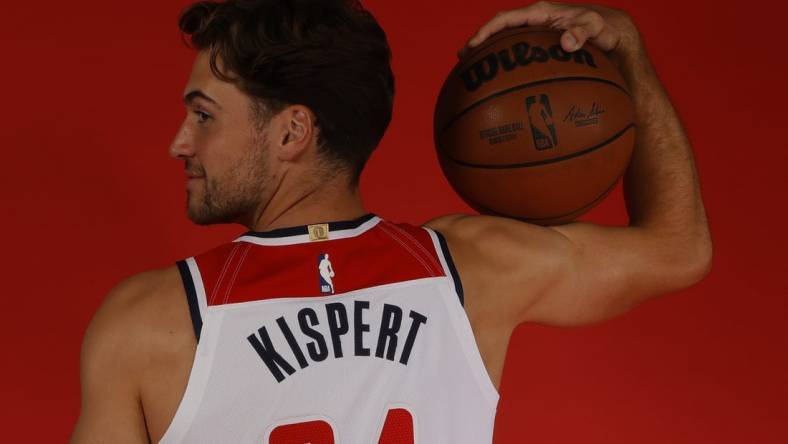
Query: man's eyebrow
(191, 95)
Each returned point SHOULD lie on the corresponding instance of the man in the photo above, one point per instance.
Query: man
(247, 343)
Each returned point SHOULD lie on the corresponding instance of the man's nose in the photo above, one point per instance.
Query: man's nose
(182, 145)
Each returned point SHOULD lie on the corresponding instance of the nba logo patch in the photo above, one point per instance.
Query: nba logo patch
(325, 274)
(540, 116)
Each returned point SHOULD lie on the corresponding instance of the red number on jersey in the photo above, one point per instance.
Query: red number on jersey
(398, 429)
(311, 432)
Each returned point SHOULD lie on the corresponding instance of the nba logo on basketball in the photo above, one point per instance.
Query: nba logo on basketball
(540, 116)
(325, 274)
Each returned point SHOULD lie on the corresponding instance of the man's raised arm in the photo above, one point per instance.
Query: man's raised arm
(581, 273)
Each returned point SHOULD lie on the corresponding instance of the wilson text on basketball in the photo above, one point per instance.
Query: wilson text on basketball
(519, 55)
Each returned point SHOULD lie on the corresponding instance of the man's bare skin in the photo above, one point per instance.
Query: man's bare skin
(139, 348)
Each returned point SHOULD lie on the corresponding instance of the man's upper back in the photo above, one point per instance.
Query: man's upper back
(278, 352)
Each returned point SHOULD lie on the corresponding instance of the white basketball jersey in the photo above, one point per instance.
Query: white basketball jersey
(347, 332)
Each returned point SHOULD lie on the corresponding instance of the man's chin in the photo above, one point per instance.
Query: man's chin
(201, 215)
(199, 218)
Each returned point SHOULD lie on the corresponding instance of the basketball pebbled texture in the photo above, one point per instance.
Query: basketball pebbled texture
(527, 130)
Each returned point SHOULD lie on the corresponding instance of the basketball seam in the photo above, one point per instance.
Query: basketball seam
(577, 210)
(524, 86)
(494, 166)
(584, 207)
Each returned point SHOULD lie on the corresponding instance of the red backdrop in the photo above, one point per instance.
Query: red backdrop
(91, 99)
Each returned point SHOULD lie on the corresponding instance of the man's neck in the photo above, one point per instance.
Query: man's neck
(332, 202)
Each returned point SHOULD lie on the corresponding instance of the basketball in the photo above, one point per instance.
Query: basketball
(525, 129)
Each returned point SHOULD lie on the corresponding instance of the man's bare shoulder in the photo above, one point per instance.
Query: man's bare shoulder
(139, 297)
(473, 235)
(140, 328)
(140, 316)
(503, 263)
(141, 287)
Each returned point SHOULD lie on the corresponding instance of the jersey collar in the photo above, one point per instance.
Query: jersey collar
(301, 234)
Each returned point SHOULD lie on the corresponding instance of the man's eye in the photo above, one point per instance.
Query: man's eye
(202, 117)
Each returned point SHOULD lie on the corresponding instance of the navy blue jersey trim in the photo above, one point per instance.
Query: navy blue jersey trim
(454, 275)
(191, 297)
(304, 229)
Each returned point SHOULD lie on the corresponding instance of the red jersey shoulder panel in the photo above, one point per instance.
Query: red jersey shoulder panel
(243, 271)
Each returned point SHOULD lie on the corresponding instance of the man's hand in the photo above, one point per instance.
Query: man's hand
(611, 30)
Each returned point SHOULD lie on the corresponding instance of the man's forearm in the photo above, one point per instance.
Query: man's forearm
(661, 185)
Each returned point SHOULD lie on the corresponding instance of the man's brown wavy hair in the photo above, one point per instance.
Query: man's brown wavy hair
(328, 55)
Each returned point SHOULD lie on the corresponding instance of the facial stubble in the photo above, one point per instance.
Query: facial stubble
(235, 195)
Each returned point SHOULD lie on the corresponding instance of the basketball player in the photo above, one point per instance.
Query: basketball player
(326, 273)
(542, 122)
(246, 343)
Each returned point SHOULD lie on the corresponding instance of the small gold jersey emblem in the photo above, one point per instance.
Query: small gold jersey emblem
(318, 232)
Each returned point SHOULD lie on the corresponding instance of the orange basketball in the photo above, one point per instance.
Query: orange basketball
(527, 130)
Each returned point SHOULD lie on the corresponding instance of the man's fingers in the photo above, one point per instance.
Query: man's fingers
(581, 24)
(589, 25)
(571, 40)
(575, 37)
(536, 14)
(497, 23)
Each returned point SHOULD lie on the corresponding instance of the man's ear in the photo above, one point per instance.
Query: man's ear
(296, 132)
